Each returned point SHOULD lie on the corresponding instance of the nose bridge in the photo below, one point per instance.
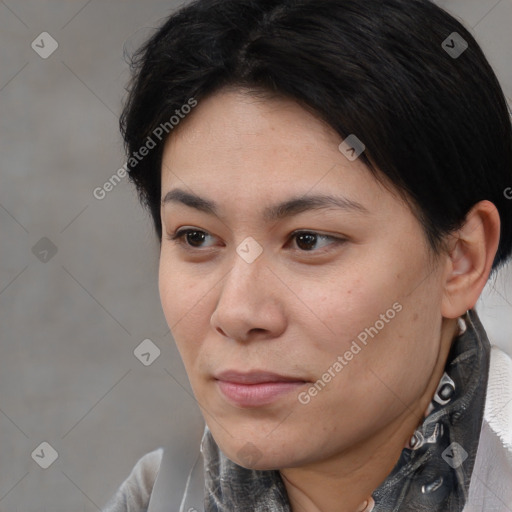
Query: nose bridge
(238, 303)
(247, 267)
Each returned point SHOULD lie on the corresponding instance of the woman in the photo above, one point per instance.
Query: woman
(327, 180)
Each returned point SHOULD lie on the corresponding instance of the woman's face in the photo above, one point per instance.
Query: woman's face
(345, 313)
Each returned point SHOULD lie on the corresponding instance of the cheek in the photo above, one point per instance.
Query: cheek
(374, 382)
(182, 292)
(348, 306)
(168, 282)
(388, 336)
(183, 300)
(391, 358)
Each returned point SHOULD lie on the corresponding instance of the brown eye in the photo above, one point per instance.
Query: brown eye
(307, 240)
(195, 238)
(189, 237)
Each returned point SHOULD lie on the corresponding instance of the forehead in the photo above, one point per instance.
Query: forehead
(237, 121)
(237, 146)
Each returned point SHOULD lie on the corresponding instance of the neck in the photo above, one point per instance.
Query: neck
(345, 481)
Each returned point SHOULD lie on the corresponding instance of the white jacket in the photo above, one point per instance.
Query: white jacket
(491, 481)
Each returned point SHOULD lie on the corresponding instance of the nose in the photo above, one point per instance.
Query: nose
(251, 302)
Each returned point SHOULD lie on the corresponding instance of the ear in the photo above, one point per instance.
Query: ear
(471, 255)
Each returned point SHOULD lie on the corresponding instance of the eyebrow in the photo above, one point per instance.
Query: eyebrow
(288, 208)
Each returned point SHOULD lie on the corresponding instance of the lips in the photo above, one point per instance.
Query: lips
(256, 389)
(254, 377)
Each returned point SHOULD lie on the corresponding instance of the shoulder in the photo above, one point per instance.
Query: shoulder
(134, 493)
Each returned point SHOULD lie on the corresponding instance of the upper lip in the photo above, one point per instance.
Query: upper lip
(254, 377)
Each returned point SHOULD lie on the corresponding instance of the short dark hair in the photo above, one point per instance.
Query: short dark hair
(436, 125)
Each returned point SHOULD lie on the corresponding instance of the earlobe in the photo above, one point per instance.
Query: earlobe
(470, 259)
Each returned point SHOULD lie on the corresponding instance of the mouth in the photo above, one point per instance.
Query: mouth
(256, 389)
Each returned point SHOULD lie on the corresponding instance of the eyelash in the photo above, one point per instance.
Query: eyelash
(178, 238)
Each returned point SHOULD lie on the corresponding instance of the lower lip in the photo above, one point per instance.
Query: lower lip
(255, 395)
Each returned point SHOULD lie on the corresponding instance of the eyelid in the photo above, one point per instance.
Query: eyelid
(180, 233)
(178, 236)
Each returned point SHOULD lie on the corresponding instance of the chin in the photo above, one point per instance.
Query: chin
(263, 462)
(260, 454)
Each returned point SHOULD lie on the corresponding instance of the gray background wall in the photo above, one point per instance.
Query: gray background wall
(70, 321)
